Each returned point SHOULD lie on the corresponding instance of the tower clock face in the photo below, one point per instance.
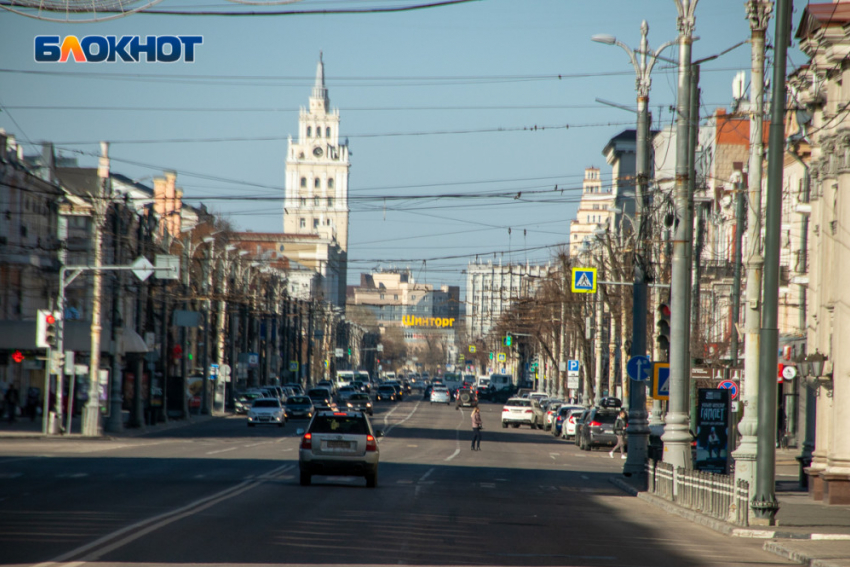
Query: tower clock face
(317, 152)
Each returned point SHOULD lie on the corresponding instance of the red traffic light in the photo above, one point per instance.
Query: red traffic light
(18, 356)
(50, 319)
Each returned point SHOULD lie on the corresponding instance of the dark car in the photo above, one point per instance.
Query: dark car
(322, 398)
(467, 398)
(598, 428)
(359, 401)
(299, 407)
(580, 425)
(386, 393)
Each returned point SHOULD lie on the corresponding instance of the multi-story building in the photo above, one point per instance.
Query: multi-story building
(595, 210)
(491, 290)
(422, 311)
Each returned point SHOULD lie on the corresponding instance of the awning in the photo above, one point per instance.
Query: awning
(21, 335)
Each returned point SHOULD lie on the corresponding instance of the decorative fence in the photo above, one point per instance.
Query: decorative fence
(715, 495)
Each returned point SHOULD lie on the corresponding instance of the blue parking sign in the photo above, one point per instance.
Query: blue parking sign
(572, 365)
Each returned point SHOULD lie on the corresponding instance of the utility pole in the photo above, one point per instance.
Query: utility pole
(91, 413)
(764, 503)
(740, 213)
(677, 437)
(597, 346)
(115, 421)
(758, 12)
(638, 430)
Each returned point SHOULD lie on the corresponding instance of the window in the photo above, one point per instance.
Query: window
(317, 183)
(309, 131)
(303, 182)
(303, 202)
(412, 297)
(327, 132)
(330, 202)
(382, 296)
(303, 223)
(395, 296)
(316, 201)
(315, 223)
(330, 183)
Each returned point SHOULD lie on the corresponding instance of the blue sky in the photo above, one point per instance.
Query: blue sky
(433, 102)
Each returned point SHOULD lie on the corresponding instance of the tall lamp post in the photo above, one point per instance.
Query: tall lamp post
(643, 61)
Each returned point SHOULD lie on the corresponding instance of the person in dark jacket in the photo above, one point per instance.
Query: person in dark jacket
(12, 402)
(477, 424)
(620, 426)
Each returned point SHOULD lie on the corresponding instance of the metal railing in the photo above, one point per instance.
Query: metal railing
(715, 495)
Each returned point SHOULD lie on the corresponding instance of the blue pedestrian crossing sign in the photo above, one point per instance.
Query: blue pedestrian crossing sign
(583, 280)
(661, 381)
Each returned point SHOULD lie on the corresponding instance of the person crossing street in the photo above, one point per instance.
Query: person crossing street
(477, 425)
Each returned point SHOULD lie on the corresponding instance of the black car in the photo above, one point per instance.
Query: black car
(359, 401)
(579, 426)
(321, 398)
(467, 398)
(387, 393)
(598, 428)
(299, 407)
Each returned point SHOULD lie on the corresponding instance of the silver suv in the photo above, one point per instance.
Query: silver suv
(339, 443)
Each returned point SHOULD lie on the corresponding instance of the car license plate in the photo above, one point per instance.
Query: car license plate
(334, 444)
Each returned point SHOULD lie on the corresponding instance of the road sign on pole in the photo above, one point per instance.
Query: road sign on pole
(572, 374)
(729, 385)
(502, 357)
(583, 280)
(639, 368)
(661, 381)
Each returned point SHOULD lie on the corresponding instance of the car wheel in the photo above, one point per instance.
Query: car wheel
(504, 425)
(372, 480)
(515, 425)
(306, 478)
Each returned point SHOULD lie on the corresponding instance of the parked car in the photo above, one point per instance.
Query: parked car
(298, 407)
(568, 428)
(386, 393)
(440, 395)
(321, 398)
(579, 425)
(551, 407)
(539, 414)
(360, 401)
(561, 414)
(518, 411)
(266, 411)
(339, 443)
(598, 428)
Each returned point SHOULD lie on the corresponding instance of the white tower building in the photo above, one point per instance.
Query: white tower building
(317, 171)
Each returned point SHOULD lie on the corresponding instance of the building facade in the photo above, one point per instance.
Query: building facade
(595, 210)
(491, 290)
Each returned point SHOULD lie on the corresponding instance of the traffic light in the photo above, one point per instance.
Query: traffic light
(46, 327)
(491, 356)
(508, 340)
(349, 351)
(662, 330)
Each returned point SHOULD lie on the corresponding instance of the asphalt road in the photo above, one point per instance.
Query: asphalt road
(221, 493)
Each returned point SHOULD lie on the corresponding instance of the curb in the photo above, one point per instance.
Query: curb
(126, 433)
(719, 525)
(782, 550)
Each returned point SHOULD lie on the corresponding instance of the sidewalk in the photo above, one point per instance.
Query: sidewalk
(806, 531)
(23, 428)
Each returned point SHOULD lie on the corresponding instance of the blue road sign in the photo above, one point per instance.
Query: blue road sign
(639, 368)
(661, 381)
(729, 385)
(583, 280)
(572, 365)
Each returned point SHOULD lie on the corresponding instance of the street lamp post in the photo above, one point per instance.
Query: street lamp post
(643, 61)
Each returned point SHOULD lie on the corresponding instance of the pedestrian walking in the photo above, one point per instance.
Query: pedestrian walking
(477, 426)
(12, 402)
(620, 426)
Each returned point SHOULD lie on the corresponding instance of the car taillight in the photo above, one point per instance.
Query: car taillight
(529, 411)
(571, 419)
(307, 441)
(371, 444)
(505, 409)
(595, 424)
(560, 418)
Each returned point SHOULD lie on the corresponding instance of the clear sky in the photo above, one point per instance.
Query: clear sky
(469, 99)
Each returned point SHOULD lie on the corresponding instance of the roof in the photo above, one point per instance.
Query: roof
(80, 181)
(817, 16)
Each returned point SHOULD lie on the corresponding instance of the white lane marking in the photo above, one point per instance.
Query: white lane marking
(585, 477)
(488, 485)
(427, 474)
(258, 444)
(149, 525)
(457, 438)
(222, 450)
(453, 455)
(72, 475)
(391, 427)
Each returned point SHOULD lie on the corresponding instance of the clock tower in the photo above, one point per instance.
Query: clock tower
(317, 171)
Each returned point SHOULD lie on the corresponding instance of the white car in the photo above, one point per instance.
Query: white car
(518, 411)
(440, 395)
(568, 429)
(266, 411)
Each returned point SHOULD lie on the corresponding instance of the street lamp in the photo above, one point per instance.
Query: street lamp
(643, 60)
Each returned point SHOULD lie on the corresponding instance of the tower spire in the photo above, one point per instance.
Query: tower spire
(319, 89)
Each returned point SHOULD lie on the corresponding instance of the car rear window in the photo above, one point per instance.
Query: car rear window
(606, 417)
(519, 403)
(298, 400)
(265, 403)
(339, 424)
(356, 397)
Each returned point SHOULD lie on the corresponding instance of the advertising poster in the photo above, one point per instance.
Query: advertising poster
(713, 410)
